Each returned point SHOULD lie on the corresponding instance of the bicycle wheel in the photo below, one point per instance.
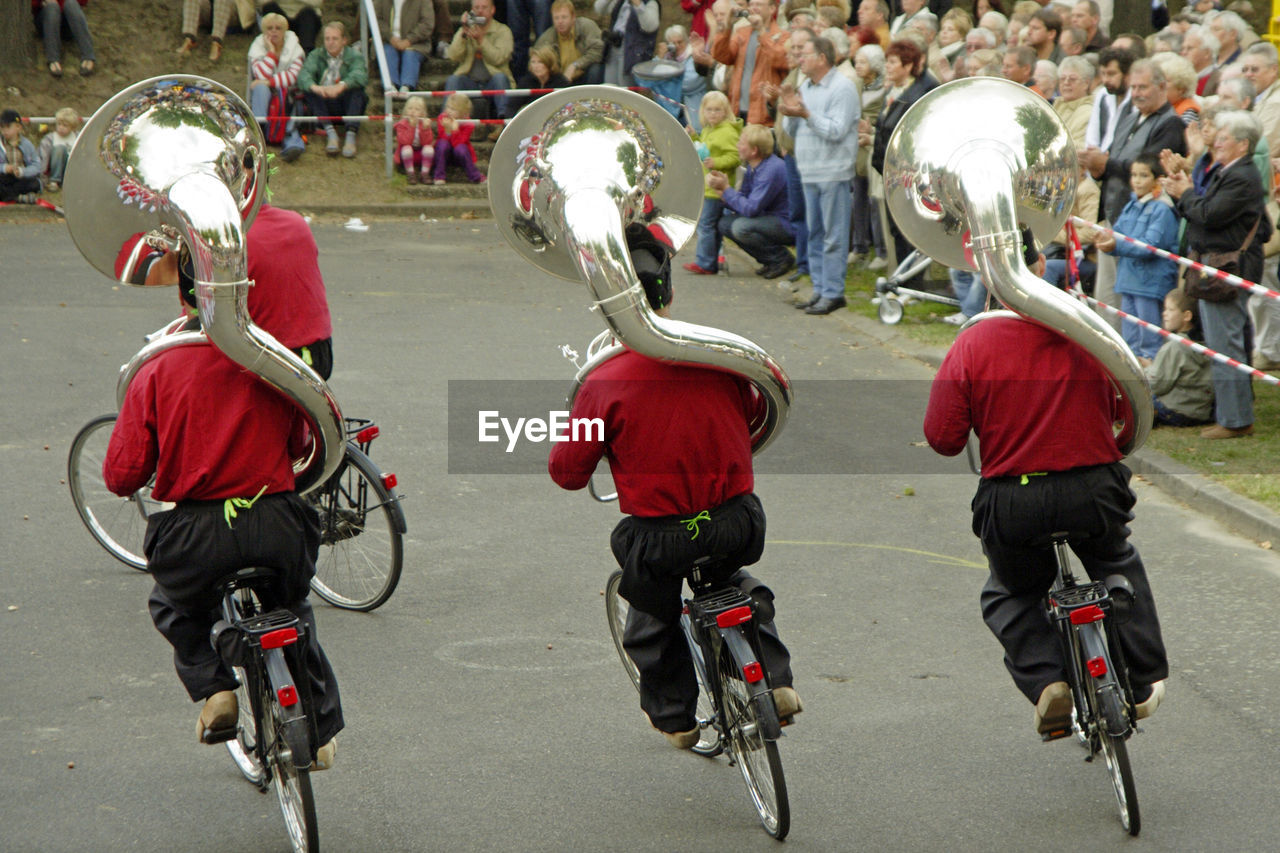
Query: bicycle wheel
(292, 784)
(118, 524)
(361, 548)
(757, 758)
(1116, 755)
(243, 747)
(616, 610)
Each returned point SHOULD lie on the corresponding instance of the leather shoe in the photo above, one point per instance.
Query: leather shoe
(684, 740)
(1219, 431)
(797, 275)
(826, 306)
(218, 718)
(777, 270)
(807, 302)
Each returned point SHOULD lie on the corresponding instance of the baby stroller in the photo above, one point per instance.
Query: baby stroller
(894, 297)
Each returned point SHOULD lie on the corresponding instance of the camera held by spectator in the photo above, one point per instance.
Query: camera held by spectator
(472, 20)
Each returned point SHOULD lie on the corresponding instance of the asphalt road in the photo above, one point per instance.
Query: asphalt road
(486, 708)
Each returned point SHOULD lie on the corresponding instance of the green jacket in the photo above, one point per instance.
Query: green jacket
(355, 72)
(495, 50)
(722, 141)
(587, 38)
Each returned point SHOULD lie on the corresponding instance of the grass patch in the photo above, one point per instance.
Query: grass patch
(1247, 466)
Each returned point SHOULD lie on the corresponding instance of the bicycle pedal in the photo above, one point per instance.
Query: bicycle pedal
(222, 735)
(1055, 734)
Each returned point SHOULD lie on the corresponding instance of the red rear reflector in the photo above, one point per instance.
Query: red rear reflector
(1085, 615)
(389, 481)
(367, 434)
(752, 672)
(736, 616)
(1097, 667)
(288, 696)
(283, 637)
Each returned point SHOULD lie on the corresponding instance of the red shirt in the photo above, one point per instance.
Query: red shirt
(287, 298)
(206, 427)
(1037, 401)
(676, 436)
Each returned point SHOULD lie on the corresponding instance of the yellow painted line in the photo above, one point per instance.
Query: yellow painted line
(933, 558)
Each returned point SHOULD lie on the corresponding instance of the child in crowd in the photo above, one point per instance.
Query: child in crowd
(453, 139)
(19, 162)
(1142, 278)
(415, 142)
(1181, 387)
(719, 136)
(55, 148)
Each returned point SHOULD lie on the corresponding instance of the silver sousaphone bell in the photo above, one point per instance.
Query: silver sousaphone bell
(567, 177)
(968, 164)
(180, 159)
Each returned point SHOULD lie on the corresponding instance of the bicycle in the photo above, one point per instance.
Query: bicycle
(1104, 717)
(360, 559)
(275, 740)
(735, 708)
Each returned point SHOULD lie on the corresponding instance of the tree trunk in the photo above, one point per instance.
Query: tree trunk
(17, 35)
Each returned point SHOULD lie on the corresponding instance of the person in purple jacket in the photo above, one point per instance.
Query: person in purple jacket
(757, 216)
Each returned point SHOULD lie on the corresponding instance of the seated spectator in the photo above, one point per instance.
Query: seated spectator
(631, 37)
(19, 162)
(543, 73)
(718, 148)
(756, 216)
(333, 78)
(415, 142)
(216, 14)
(303, 17)
(576, 42)
(406, 29)
(482, 51)
(55, 148)
(60, 19)
(453, 139)
(275, 63)
(693, 83)
(1181, 378)
(443, 33)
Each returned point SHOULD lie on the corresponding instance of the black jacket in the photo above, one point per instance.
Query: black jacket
(892, 114)
(1219, 219)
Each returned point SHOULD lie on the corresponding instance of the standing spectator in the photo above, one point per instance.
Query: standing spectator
(911, 9)
(1143, 279)
(406, 27)
(631, 37)
(693, 82)
(1180, 86)
(527, 20)
(755, 217)
(1075, 97)
(19, 162)
(718, 145)
(907, 82)
(333, 78)
(874, 15)
(1231, 31)
(443, 33)
(1228, 216)
(1044, 82)
(952, 29)
(1071, 42)
(868, 237)
(1259, 65)
(577, 44)
(216, 13)
(275, 63)
(1086, 15)
(303, 17)
(482, 51)
(1041, 35)
(60, 19)
(1200, 46)
(415, 142)
(698, 10)
(453, 140)
(785, 146)
(55, 148)
(822, 115)
(757, 54)
(1112, 104)
(1019, 64)
(1150, 127)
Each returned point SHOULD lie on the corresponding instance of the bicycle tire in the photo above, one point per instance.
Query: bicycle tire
(616, 610)
(243, 747)
(360, 559)
(292, 783)
(1115, 753)
(757, 759)
(118, 524)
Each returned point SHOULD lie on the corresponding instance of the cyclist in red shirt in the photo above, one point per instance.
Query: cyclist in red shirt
(678, 445)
